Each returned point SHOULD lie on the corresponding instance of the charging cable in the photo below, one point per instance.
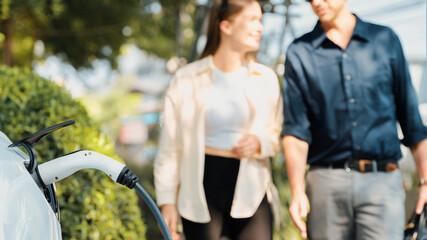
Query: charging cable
(62, 167)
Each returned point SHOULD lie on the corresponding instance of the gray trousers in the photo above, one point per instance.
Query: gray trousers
(353, 205)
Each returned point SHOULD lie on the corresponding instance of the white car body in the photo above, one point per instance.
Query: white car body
(24, 210)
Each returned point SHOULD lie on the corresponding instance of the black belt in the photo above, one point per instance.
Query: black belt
(360, 165)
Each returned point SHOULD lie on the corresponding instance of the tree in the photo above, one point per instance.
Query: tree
(81, 31)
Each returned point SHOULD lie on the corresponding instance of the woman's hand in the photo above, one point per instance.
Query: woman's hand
(247, 146)
(170, 214)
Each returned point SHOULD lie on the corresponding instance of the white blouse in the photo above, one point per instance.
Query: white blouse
(227, 109)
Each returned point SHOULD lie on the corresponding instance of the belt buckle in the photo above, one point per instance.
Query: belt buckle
(346, 167)
(374, 166)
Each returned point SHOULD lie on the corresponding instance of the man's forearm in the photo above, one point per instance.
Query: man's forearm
(295, 151)
(419, 152)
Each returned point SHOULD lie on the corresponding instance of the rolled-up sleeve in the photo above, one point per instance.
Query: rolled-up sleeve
(406, 99)
(296, 122)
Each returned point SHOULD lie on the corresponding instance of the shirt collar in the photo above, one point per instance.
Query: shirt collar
(361, 31)
(318, 34)
(206, 65)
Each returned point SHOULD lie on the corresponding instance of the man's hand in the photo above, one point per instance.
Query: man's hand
(422, 199)
(419, 152)
(296, 151)
(247, 146)
(170, 214)
(299, 209)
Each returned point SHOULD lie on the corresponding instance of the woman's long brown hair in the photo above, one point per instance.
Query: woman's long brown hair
(221, 10)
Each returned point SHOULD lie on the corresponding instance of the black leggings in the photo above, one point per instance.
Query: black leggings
(219, 182)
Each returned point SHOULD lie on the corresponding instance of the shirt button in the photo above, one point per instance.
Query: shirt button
(352, 100)
(354, 124)
(358, 148)
(347, 77)
(344, 55)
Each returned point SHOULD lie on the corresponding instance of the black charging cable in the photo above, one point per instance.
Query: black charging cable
(130, 180)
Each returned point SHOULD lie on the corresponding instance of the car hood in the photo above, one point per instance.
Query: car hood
(24, 211)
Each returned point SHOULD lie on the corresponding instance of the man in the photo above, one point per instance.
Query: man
(346, 86)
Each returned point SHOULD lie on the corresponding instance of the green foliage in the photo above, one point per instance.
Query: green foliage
(86, 30)
(4, 9)
(287, 230)
(81, 31)
(162, 33)
(92, 206)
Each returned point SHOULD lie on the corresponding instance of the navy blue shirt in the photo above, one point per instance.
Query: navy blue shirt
(346, 103)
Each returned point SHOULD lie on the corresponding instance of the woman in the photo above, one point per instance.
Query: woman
(222, 121)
